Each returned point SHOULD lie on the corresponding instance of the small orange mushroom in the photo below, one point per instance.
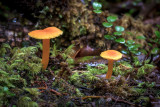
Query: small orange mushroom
(111, 56)
(46, 34)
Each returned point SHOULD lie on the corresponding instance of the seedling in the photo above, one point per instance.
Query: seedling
(97, 7)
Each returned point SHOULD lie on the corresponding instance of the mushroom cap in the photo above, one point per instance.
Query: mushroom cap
(47, 33)
(111, 55)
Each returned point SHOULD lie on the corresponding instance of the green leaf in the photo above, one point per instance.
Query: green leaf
(155, 50)
(117, 33)
(133, 47)
(5, 88)
(150, 44)
(109, 37)
(158, 26)
(111, 18)
(97, 5)
(136, 52)
(157, 33)
(140, 37)
(144, 51)
(138, 45)
(120, 40)
(130, 42)
(119, 28)
(106, 24)
(97, 11)
(124, 52)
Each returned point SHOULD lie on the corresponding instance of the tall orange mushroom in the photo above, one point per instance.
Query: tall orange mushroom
(46, 34)
(111, 56)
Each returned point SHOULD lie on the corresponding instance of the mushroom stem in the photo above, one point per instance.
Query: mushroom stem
(110, 69)
(45, 54)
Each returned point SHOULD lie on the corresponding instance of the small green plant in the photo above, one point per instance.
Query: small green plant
(156, 42)
(114, 36)
(54, 51)
(115, 33)
(97, 7)
(132, 47)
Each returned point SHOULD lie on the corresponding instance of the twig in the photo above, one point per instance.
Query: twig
(116, 101)
(57, 93)
(46, 88)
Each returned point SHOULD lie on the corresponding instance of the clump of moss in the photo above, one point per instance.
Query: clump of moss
(64, 87)
(25, 101)
(122, 69)
(3, 49)
(88, 77)
(10, 82)
(144, 70)
(25, 59)
(144, 100)
(33, 92)
(99, 69)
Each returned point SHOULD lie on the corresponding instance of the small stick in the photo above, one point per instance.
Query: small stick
(44, 88)
(57, 93)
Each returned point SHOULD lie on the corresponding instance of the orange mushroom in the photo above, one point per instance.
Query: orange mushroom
(111, 56)
(46, 34)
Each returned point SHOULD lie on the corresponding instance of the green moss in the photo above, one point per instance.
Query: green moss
(75, 78)
(143, 99)
(64, 87)
(5, 95)
(8, 80)
(122, 68)
(33, 91)
(99, 69)
(89, 76)
(139, 91)
(54, 51)
(25, 101)
(3, 49)
(84, 79)
(145, 69)
(24, 59)
(86, 59)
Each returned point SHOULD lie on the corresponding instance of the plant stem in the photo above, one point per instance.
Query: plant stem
(45, 54)
(110, 69)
